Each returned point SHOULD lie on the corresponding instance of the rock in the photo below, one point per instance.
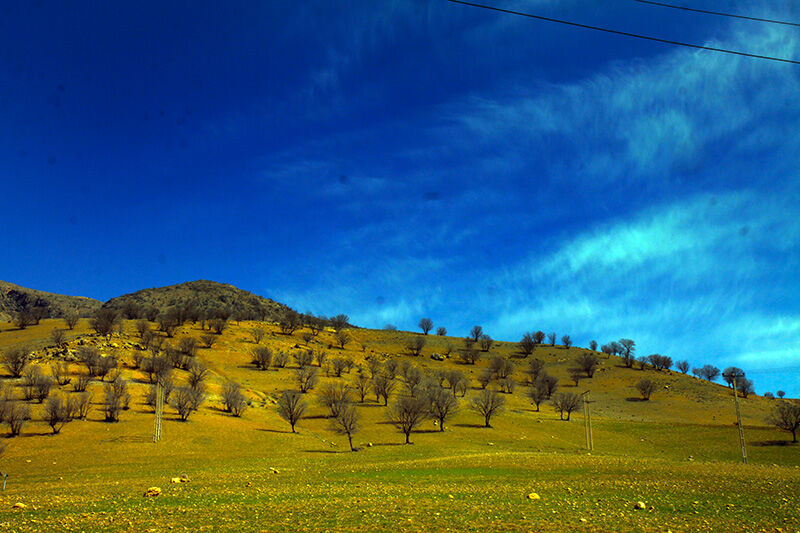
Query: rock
(183, 479)
(152, 492)
(534, 496)
(584, 520)
(19, 505)
(639, 506)
(274, 470)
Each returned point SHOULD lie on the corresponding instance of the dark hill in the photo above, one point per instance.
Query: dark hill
(14, 298)
(202, 295)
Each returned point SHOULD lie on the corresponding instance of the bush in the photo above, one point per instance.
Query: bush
(588, 363)
(786, 416)
(104, 321)
(208, 340)
(116, 399)
(56, 413)
(257, 334)
(306, 377)
(262, 357)
(280, 359)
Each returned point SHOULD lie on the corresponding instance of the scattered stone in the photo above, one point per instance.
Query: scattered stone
(152, 492)
(639, 506)
(274, 470)
(584, 520)
(19, 505)
(182, 479)
(534, 496)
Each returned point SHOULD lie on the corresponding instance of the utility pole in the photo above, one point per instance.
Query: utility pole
(159, 410)
(587, 422)
(739, 418)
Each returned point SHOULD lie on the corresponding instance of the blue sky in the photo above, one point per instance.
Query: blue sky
(393, 160)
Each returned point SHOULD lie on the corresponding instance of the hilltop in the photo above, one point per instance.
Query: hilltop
(14, 298)
(202, 295)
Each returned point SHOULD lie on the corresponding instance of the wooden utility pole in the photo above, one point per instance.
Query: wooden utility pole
(587, 422)
(739, 418)
(159, 411)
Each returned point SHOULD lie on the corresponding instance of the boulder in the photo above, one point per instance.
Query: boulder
(152, 492)
(534, 496)
(639, 506)
(19, 505)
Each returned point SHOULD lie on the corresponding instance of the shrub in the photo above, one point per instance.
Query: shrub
(645, 388)
(257, 334)
(104, 321)
(786, 416)
(56, 413)
(15, 359)
(233, 399)
(280, 359)
(566, 402)
(262, 357)
(306, 377)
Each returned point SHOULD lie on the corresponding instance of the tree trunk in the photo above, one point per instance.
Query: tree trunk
(794, 435)
(441, 425)
(350, 438)
(407, 435)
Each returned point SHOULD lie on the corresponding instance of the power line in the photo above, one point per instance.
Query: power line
(626, 34)
(684, 8)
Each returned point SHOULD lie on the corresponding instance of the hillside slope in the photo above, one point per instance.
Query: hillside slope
(204, 295)
(14, 298)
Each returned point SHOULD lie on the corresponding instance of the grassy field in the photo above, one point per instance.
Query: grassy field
(678, 453)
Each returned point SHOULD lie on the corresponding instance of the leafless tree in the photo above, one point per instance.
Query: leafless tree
(23, 318)
(406, 413)
(168, 386)
(262, 357)
(575, 374)
(786, 416)
(280, 359)
(233, 399)
(484, 378)
(183, 401)
(81, 382)
(628, 348)
(588, 362)
(566, 402)
(413, 379)
(116, 398)
(415, 345)
(59, 337)
(659, 362)
(425, 324)
(390, 367)
(346, 423)
(291, 407)
(35, 385)
(538, 393)
(60, 372)
(443, 405)
(307, 337)
(469, 355)
(188, 346)
(507, 384)
(71, 319)
(338, 365)
(197, 374)
(56, 413)
(552, 338)
(217, 325)
(683, 366)
(566, 341)
(342, 338)
(548, 383)
(745, 387)
(306, 377)
(538, 337)
(709, 372)
(488, 404)
(16, 415)
(362, 384)
(339, 322)
(79, 405)
(645, 388)
(15, 359)
(458, 382)
(104, 321)
(383, 386)
(780, 394)
(593, 345)
(500, 367)
(535, 367)
(441, 331)
(527, 344)
(321, 357)
(485, 342)
(475, 333)
(304, 357)
(258, 334)
(334, 396)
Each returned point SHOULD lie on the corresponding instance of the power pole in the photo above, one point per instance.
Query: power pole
(159, 410)
(587, 422)
(739, 418)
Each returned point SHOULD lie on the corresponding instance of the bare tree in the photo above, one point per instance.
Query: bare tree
(500, 367)
(280, 359)
(538, 337)
(16, 415)
(484, 378)
(593, 345)
(346, 423)
(745, 387)
(383, 386)
(321, 357)
(363, 383)
(507, 384)
(81, 382)
(257, 333)
(291, 407)
(443, 405)
(59, 337)
(306, 377)
(645, 388)
(334, 396)
(469, 355)
(23, 318)
(458, 382)
(731, 373)
(262, 357)
(659, 362)
(304, 357)
(683, 366)
(709, 372)
(588, 362)
(485, 342)
(538, 393)
(566, 402)
(79, 405)
(188, 346)
(441, 331)
(339, 322)
(15, 359)
(780, 394)
(786, 416)
(566, 341)
(415, 345)
(527, 344)
(342, 338)
(628, 347)
(183, 401)
(475, 333)
(575, 374)
(425, 324)
(535, 367)
(217, 325)
(488, 404)
(552, 338)
(104, 321)
(56, 413)
(116, 399)
(60, 372)
(233, 399)
(407, 413)
(71, 319)
(548, 382)
(197, 374)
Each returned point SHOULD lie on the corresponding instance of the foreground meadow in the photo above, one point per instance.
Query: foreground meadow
(528, 472)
